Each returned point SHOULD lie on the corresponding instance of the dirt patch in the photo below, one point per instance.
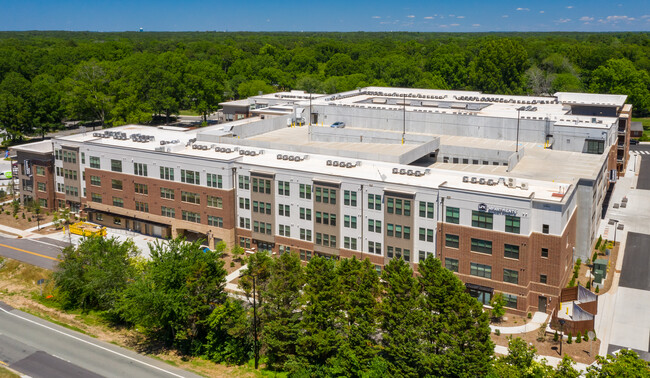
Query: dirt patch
(578, 351)
(25, 218)
(510, 320)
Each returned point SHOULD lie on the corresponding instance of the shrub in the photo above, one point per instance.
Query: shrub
(594, 257)
(594, 339)
(599, 242)
(23, 215)
(597, 289)
(541, 332)
(585, 336)
(578, 338)
(569, 338)
(588, 286)
(29, 219)
(530, 315)
(497, 332)
(556, 337)
(572, 283)
(7, 212)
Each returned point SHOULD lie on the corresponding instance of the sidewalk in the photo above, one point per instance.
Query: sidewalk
(538, 319)
(552, 361)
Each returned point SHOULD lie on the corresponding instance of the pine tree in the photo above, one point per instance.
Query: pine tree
(402, 319)
(359, 285)
(320, 340)
(281, 310)
(456, 333)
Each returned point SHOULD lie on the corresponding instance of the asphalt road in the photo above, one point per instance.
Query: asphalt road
(643, 151)
(40, 252)
(636, 262)
(38, 348)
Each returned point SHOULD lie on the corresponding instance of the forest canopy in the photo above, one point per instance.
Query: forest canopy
(120, 78)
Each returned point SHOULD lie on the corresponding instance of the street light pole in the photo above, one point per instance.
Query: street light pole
(562, 321)
(615, 227)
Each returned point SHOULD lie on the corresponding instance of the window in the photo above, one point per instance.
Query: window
(244, 182)
(350, 243)
(167, 173)
(305, 255)
(83, 158)
(167, 212)
(545, 229)
(326, 195)
(141, 188)
(59, 171)
(190, 197)
(244, 223)
(305, 234)
(407, 232)
(190, 177)
(510, 300)
(245, 242)
(41, 186)
(116, 165)
(70, 174)
(350, 198)
(261, 185)
(116, 184)
(426, 209)
(511, 276)
(42, 202)
(57, 154)
(215, 221)
(283, 188)
(545, 252)
(481, 246)
(191, 217)
(595, 146)
(512, 224)
(94, 162)
(305, 213)
(284, 210)
(117, 221)
(117, 201)
(215, 202)
(407, 208)
(166, 193)
(95, 180)
(452, 241)
(511, 251)
(481, 219)
(390, 252)
(261, 207)
(69, 156)
(451, 264)
(374, 247)
(244, 203)
(140, 169)
(141, 206)
(480, 270)
(96, 197)
(40, 171)
(326, 240)
(374, 225)
(305, 191)
(426, 234)
(374, 201)
(350, 221)
(542, 278)
(390, 229)
(214, 181)
(452, 215)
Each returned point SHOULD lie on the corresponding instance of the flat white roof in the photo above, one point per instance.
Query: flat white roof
(41, 147)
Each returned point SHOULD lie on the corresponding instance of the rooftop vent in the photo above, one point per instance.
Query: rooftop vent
(481, 181)
(465, 179)
(474, 180)
(329, 162)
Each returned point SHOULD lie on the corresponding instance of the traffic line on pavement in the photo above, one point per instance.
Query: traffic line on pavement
(4, 363)
(30, 252)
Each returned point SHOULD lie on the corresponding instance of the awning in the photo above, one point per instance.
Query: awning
(479, 288)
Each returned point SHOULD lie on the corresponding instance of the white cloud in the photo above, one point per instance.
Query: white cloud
(569, 7)
(376, 17)
(454, 24)
(586, 18)
(428, 18)
(645, 16)
(410, 16)
(442, 26)
(460, 16)
(476, 25)
(523, 9)
(563, 21)
(541, 11)
(505, 16)
(616, 19)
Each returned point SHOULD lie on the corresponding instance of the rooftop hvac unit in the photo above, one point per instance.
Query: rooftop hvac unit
(409, 172)
(292, 158)
(194, 146)
(474, 180)
(342, 164)
(524, 185)
(329, 162)
(465, 179)
(247, 153)
(349, 165)
(335, 163)
(285, 157)
(511, 182)
(228, 150)
(241, 152)
(481, 181)
(402, 171)
(253, 153)
(298, 158)
(490, 182)
(162, 143)
(395, 171)
(279, 156)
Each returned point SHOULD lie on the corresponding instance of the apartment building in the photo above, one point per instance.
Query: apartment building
(506, 215)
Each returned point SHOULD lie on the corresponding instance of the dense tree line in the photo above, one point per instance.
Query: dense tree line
(328, 318)
(118, 78)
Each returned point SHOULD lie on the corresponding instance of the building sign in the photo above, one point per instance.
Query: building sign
(496, 210)
(28, 168)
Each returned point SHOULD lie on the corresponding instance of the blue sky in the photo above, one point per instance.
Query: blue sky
(326, 15)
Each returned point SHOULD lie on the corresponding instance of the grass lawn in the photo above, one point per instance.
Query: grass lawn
(646, 127)
(4, 373)
(188, 113)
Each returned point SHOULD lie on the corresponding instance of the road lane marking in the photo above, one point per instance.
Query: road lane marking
(90, 343)
(4, 363)
(30, 252)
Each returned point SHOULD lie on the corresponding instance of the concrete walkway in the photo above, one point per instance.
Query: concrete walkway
(550, 360)
(538, 319)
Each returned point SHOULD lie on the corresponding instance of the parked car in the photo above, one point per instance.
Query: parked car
(338, 125)
(634, 141)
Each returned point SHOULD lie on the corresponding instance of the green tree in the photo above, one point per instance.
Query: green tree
(499, 67)
(565, 369)
(281, 310)
(174, 296)
(620, 76)
(625, 363)
(16, 116)
(94, 274)
(87, 91)
(402, 319)
(520, 362)
(253, 88)
(204, 82)
(228, 336)
(498, 306)
(455, 338)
